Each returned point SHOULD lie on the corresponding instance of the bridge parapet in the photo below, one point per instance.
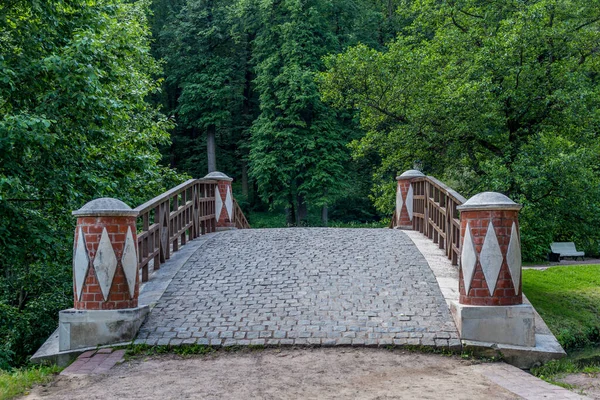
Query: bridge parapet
(115, 246)
(481, 235)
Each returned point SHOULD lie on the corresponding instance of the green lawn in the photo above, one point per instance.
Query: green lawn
(19, 381)
(568, 299)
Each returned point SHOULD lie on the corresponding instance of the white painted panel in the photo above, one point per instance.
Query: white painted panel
(229, 204)
(409, 202)
(81, 263)
(491, 258)
(129, 262)
(218, 203)
(105, 264)
(399, 204)
(513, 257)
(468, 259)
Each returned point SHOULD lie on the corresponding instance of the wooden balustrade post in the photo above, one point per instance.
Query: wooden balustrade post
(490, 305)
(224, 215)
(105, 278)
(404, 198)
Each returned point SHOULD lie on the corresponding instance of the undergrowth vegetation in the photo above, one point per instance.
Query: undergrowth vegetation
(18, 381)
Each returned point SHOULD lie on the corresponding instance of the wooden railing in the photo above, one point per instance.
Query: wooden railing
(173, 218)
(435, 214)
(239, 218)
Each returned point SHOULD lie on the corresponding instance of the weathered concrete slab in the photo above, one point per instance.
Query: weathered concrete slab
(514, 325)
(80, 329)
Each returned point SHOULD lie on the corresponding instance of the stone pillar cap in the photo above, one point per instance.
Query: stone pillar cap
(411, 173)
(489, 201)
(105, 206)
(218, 176)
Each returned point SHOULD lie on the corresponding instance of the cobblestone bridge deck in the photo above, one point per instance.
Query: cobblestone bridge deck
(303, 286)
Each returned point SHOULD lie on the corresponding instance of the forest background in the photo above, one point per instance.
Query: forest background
(312, 106)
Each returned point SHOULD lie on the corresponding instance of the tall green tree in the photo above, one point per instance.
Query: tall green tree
(205, 69)
(490, 96)
(297, 147)
(74, 125)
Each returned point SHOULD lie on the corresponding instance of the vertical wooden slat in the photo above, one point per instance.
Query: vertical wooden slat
(185, 217)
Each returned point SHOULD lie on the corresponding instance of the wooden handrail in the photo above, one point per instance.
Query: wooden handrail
(435, 214)
(239, 218)
(171, 219)
(167, 221)
(177, 189)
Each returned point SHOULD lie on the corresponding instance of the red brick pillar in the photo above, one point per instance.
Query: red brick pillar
(490, 306)
(490, 262)
(105, 278)
(105, 273)
(404, 198)
(223, 201)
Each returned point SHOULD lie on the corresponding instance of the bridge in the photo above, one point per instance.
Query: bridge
(185, 269)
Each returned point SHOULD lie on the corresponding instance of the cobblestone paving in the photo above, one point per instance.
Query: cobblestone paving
(303, 286)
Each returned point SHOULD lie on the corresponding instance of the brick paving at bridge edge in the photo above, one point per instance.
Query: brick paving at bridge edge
(303, 286)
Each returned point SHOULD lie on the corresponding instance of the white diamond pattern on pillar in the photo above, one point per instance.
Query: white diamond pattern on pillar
(105, 264)
(409, 202)
(229, 204)
(491, 258)
(468, 259)
(513, 257)
(399, 204)
(218, 203)
(129, 261)
(81, 263)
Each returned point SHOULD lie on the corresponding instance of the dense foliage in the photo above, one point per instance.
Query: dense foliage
(74, 125)
(243, 74)
(488, 96)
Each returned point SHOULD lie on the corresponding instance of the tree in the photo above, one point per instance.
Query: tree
(204, 69)
(74, 125)
(489, 96)
(297, 148)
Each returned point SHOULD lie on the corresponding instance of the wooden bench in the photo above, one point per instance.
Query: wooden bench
(566, 249)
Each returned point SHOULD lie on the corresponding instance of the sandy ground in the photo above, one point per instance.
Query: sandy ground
(286, 374)
(588, 384)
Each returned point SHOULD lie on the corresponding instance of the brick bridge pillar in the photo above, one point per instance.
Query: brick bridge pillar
(404, 198)
(490, 306)
(223, 201)
(105, 278)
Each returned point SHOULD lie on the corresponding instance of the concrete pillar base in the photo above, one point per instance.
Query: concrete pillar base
(512, 325)
(89, 328)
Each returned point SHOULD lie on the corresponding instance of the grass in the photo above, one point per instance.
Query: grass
(20, 381)
(568, 299)
(144, 350)
(586, 361)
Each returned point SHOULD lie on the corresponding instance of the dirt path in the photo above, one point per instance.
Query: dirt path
(584, 383)
(287, 374)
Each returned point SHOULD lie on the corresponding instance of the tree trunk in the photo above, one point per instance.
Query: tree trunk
(302, 210)
(211, 148)
(245, 179)
(290, 212)
(324, 215)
